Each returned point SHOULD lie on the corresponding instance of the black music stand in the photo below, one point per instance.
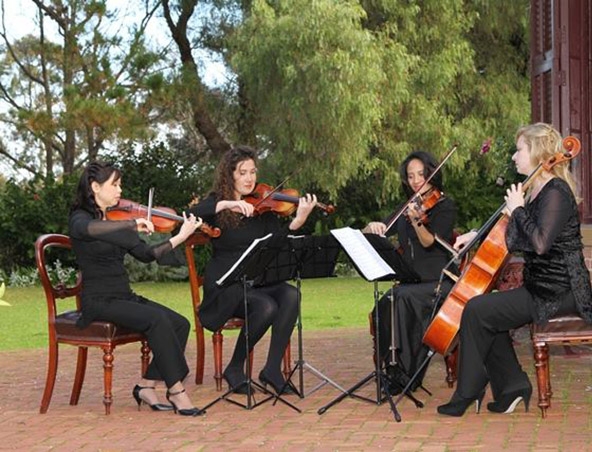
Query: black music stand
(304, 257)
(245, 270)
(375, 259)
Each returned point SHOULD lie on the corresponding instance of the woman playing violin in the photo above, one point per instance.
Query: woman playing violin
(414, 301)
(100, 246)
(272, 306)
(545, 227)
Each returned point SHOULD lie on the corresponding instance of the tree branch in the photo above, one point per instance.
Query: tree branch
(201, 119)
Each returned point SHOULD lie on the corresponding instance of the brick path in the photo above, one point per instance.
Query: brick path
(352, 425)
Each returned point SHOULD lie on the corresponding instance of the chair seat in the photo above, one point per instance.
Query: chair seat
(233, 323)
(66, 330)
(565, 328)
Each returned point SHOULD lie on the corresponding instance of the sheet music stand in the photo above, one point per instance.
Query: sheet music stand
(249, 265)
(375, 259)
(304, 257)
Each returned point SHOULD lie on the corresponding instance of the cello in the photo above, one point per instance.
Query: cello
(481, 273)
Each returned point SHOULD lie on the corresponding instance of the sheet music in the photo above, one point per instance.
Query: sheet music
(362, 254)
(255, 243)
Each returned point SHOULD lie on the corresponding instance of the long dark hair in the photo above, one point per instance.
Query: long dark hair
(94, 172)
(429, 165)
(224, 181)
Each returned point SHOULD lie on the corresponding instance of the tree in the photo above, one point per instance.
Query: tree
(344, 90)
(67, 97)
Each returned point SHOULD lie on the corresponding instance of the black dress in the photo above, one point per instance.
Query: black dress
(100, 247)
(414, 302)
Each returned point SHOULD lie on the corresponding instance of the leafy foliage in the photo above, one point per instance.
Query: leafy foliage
(311, 73)
(28, 210)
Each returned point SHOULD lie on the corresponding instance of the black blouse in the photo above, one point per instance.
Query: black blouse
(427, 262)
(547, 232)
(220, 303)
(100, 247)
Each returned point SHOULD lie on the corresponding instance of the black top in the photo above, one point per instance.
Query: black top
(547, 232)
(220, 303)
(100, 247)
(427, 262)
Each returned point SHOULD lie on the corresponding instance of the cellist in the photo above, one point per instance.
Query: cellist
(414, 302)
(544, 226)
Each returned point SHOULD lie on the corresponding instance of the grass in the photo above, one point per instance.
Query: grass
(326, 303)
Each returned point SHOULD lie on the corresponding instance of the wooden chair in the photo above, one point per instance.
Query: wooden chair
(563, 330)
(195, 282)
(63, 329)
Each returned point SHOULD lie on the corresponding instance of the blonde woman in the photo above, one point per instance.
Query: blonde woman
(543, 226)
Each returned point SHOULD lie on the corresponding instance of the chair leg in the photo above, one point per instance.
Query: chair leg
(451, 361)
(287, 368)
(108, 377)
(200, 356)
(541, 364)
(80, 373)
(217, 340)
(52, 367)
(145, 351)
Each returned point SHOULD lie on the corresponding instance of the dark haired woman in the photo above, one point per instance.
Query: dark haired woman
(100, 246)
(414, 302)
(272, 306)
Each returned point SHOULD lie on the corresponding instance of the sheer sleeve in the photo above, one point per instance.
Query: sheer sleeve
(535, 230)
(119, 233)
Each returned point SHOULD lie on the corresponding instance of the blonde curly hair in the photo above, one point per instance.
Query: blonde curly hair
(544, 141)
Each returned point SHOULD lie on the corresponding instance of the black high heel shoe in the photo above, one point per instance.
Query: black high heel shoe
(458, 405)
(280, 388)
(185, 411)
(507, 403)
(140, 400)
(236, 381)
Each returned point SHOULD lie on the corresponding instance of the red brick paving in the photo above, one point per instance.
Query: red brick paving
(352, 425)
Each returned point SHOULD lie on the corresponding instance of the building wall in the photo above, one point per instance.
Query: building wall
(561, 86)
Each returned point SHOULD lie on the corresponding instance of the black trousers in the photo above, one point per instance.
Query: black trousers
(412, 314)
(487, 354)
(166, 332)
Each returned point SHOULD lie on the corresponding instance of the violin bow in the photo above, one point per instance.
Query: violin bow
(410, 200)
(276, 188)
(150, 200)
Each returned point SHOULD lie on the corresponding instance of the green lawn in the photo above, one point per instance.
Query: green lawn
(326, 303)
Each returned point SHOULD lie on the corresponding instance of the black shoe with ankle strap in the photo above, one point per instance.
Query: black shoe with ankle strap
(184, 411)
(154, 406)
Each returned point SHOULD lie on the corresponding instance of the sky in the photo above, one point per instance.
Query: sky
(19, 19)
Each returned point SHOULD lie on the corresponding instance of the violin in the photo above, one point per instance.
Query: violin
(265, 198)
(425, 202)
(164, 218)
(481, 273)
